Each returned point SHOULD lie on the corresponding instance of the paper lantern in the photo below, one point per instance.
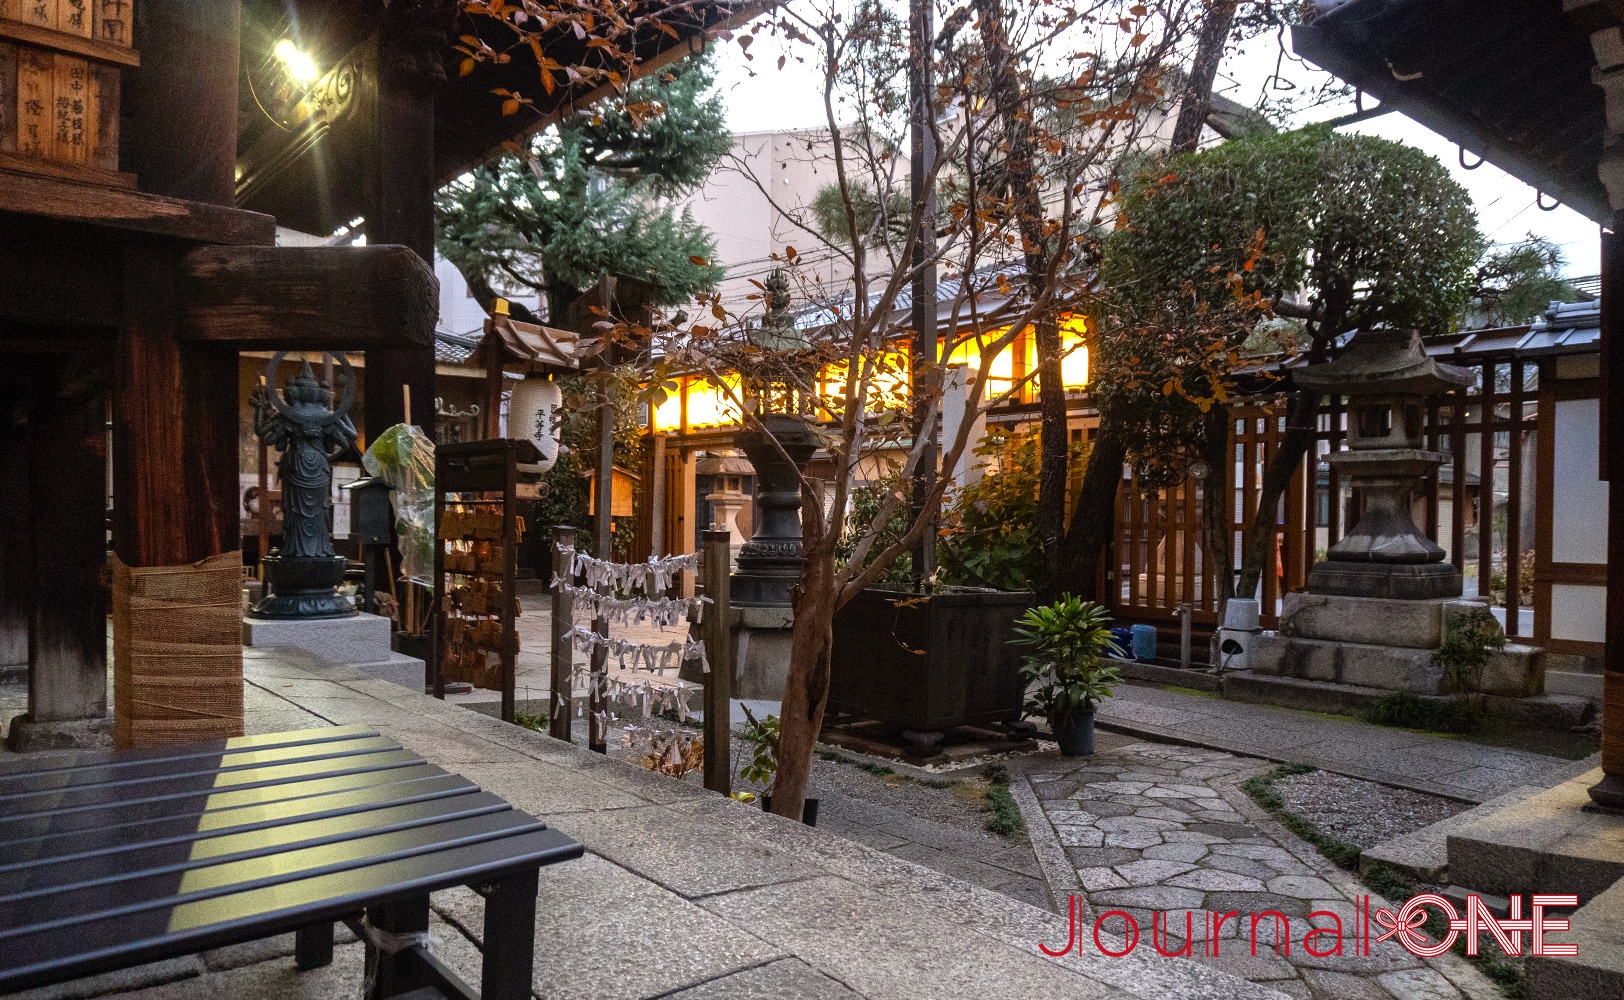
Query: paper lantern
(534, 415)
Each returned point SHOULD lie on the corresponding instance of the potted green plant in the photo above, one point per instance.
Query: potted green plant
(1065, 673)
(762, 735)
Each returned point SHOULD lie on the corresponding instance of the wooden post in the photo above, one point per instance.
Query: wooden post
(603, 523)
(718, 638)
(67, 654)
(510, 583)
(398, 187)
(563, 617)
(1609, 792)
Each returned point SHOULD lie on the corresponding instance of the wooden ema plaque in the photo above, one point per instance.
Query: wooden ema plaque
(59, 87)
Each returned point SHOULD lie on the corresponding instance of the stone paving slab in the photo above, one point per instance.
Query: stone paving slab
(1175, 839)
(1454, 769)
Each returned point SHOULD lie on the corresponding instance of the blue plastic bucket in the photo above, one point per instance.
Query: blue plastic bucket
(1144, 642)
(1122, 635)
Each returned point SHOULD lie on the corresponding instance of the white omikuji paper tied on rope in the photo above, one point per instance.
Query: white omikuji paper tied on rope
(533, 415)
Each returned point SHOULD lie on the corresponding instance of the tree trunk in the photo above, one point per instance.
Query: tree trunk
(1218, 504)
(1053, 448)
(1195, 104)
(806, 689)
(1093, 519)
(1301, 421)
(1053, 434)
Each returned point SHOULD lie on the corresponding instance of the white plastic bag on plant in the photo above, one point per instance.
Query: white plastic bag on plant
(403, 456)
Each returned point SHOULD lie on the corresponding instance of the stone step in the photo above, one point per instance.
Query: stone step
(1294, 692)
(1598, 969)
(1568, 682)
(1558, 712)
(1548, 842)
(1424, 854)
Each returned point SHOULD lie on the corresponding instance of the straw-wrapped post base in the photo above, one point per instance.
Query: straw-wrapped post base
(177, 651)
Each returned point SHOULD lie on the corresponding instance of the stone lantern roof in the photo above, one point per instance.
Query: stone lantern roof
(1383, 363)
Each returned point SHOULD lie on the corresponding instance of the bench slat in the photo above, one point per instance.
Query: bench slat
(200, 851)
(85, 798)
(70, 906)
(203, 748)
(20, 786)
(95, 945)
(209, 808)
(42, 845)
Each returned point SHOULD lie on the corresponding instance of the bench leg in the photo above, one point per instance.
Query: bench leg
(399, 972)
(313, 946)
(510, 938)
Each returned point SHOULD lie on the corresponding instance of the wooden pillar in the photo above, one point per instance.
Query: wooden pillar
(1609, 791)
(175, 404)
(180, 105)
(174, 428)
(398, 203)
(718, 638)
(16, 534)
(175, 407)
(67, 634)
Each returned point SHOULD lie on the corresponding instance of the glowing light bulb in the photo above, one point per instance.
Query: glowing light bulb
(299, 65)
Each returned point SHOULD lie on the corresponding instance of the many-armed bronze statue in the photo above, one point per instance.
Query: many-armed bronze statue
(302, 422)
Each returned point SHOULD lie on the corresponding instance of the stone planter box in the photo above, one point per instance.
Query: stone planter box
(943, 662)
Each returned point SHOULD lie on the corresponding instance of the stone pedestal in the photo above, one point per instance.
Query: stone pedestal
(1382, 643)
(361, 642)
(761, 645)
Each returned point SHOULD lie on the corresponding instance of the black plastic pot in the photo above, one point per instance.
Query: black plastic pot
(809, 809)
(1076, 734)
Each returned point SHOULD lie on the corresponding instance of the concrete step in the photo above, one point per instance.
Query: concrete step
(1424, 854)
(1548, 842)
(1598, 969)
(1559, 712)
(1568, 682)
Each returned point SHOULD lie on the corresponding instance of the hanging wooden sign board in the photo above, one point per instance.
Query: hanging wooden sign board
(60, 66)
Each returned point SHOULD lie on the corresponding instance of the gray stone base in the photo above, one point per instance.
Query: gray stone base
(1515, 672)
(75, 734)
(1374, 620)
(361, 642)
(1598, 970)
(1546, 843)
(761, 645)
(1393, 668)
(1396, 581)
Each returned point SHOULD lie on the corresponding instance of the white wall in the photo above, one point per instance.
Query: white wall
(459, 312)
(1578, 518)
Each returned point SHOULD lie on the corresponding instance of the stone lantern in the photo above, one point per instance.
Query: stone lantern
(770, 563)
(1387, 377)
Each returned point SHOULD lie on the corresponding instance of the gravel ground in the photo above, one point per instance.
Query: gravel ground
(1361, 812)
(953, 801)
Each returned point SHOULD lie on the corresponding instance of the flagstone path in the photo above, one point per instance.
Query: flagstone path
(1151, 827)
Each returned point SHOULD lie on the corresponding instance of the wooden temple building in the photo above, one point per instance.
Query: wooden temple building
(149, 149)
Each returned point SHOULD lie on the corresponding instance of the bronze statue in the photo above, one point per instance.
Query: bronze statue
(302, 422)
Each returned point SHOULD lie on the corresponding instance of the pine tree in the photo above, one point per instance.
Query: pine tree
(591, 195)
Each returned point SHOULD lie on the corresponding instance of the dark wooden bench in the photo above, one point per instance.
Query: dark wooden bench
(109, 860)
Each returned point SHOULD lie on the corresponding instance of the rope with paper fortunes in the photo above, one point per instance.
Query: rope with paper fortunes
(672, 752)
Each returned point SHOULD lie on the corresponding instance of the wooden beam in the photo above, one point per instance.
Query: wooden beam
(52, 197)
(309, 298)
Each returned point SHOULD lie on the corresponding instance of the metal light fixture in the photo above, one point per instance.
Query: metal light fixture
(298, 64)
